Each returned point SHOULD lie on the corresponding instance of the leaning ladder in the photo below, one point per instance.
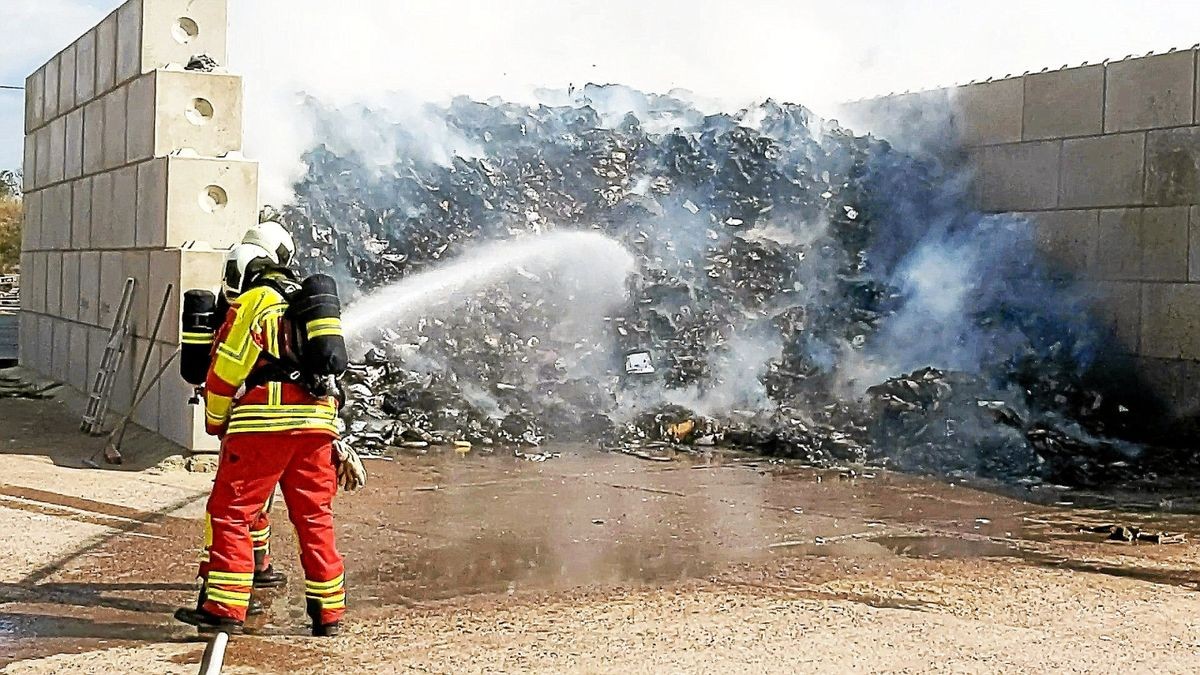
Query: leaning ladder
(114, 353)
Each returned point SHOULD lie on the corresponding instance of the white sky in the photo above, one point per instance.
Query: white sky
(735, 51)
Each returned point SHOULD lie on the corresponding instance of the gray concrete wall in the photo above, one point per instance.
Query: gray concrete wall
(1105, 160)
(132, 170)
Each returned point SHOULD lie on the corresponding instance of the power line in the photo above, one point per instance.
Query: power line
(9, 86)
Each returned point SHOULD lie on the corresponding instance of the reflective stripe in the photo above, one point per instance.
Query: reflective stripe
(324, 327)
(319, 586)
(329, 601)
(275, 417)
(246, 427)
(197, 338)
(258, 535)
(274, 394)
(231, 578)
(254, 409)
(231, 599)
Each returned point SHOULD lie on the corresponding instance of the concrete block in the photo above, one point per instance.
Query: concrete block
(73, 145)
(152, 204)
(112, 283)
(97, 342)
(990, 112)
(36, 285)
(175, 30)
(207, 200)
(85, 68)
(186, 269)
(1018, 177)
(179, 422)
(61, 364)
(106, 54)
(54, 282)
(29, 165)
(140, 122)
(1150, 92)
(26, 339)
(66, 80)
(31, 228)
(1171, 321)
(1067, 240)
(1118, 307)
(137, 265)
(41, 138)
(27, 266)
(124, 208)
(50, 93)
(35, 100)
(1064, 103)
(146, 413)
(1119, 245)
(1194, 244)
(69, 305)
(1103, 171)
(58, 150)
(1173, 167)
(1174, 382)
(89, 287)
(123, 380)
(81, 214)
(77, 360)
(114, 128)
(198, 111)
(102, 210)
(1165, 244)
(45, 345)
(129, 40)
(93, 137)
(56, 217)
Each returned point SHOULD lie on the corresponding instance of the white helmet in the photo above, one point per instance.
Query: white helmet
(273, 237)
(241, 260)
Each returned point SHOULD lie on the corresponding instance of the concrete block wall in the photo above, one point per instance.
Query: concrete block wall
(1105, 160)
(132, 171)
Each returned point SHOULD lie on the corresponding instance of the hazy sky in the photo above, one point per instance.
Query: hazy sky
(798, 50)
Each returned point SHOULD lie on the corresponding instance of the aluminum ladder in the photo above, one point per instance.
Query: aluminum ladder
(114, 354)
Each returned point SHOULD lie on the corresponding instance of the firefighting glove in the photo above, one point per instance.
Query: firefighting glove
(350, 471)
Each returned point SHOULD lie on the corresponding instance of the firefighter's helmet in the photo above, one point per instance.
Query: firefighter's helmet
(273, 237)
(242, 263)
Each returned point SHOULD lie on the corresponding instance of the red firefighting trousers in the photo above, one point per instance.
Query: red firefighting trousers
(260, 535)
(251, 465)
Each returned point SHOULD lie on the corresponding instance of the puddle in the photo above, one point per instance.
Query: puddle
(443, 526)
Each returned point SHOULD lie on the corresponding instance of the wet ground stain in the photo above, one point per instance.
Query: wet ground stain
(436, 528)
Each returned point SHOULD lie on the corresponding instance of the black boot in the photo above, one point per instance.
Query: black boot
(313, 608)
(208, 623)
(269, 578)
(255, 607)
(327, 629)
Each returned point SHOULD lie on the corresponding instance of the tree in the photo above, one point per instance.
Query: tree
(10, 184)
(10, 221)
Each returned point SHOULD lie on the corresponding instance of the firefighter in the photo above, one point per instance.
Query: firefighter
(276, 428)
(198, 354)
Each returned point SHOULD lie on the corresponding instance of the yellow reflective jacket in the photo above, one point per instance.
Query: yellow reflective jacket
(255, 324)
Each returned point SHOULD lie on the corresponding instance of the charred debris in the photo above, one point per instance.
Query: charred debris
(778, 295)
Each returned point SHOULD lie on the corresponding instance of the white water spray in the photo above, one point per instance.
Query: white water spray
(590, 257)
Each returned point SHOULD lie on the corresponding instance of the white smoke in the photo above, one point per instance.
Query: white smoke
(731, 53)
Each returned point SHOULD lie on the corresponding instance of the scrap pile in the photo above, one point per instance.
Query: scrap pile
(779, 259)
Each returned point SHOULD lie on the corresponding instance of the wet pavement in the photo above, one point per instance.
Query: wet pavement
(434, 528)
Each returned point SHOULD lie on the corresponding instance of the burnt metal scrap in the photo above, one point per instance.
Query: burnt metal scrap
(774, 250)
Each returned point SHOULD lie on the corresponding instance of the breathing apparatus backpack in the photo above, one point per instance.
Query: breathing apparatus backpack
(313, 350)
(199, 325)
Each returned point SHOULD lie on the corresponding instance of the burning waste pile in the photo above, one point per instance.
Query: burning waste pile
(780, 285)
